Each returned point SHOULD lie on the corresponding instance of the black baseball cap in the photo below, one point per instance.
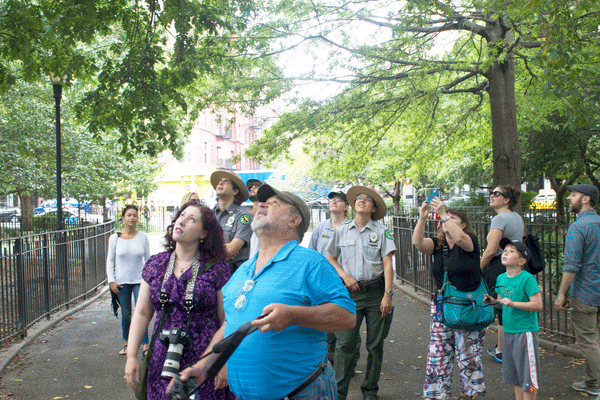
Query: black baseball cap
(518, 244)
(341, 195)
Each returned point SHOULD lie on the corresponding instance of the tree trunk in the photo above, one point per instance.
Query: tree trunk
(505, 139)
(26, 212)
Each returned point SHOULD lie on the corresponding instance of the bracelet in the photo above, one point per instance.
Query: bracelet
(446, 219)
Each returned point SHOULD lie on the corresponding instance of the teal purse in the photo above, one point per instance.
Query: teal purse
(464, 310)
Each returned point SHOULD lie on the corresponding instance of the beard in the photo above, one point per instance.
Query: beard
(575, 206)
(266, 224)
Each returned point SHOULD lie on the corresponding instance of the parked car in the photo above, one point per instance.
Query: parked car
(544, 202)
(10, 214)
(70, 217)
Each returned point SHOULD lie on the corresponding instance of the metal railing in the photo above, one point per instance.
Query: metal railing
(41, 273)
(414, 268)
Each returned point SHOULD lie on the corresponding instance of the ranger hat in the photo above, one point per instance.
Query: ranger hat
(589, 190)
(219, 174)
(341, 195)
(253, 182)
(381, 207)
(518, 244)
(265, 192)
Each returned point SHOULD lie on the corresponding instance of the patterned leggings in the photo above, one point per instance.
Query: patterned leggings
(444, 342)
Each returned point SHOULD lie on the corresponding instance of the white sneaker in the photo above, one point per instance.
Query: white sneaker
(582, 387)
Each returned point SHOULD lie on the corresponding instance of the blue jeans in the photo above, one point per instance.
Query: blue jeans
(127, 290)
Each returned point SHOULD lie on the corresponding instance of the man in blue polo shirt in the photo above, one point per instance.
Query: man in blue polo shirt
(300, 297)
(581, 272)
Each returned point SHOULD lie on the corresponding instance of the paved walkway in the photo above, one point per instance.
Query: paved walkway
(76, 358)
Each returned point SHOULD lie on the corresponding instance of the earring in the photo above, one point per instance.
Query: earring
(201, 240)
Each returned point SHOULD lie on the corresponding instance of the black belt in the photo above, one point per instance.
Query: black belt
(371, 284)
(308, 380)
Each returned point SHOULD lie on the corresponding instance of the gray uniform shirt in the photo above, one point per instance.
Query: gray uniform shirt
(235, 221)
(321, 235)
(362, 252)
(511, 225)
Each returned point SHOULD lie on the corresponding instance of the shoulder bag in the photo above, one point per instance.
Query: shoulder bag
(464, 310)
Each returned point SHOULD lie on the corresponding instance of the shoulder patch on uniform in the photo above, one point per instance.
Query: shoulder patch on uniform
(244, 219)
(388, 234)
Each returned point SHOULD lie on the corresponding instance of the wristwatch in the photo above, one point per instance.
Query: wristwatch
(390, 292)
(446, 219)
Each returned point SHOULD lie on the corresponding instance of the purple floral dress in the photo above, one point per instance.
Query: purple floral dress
(203, 325)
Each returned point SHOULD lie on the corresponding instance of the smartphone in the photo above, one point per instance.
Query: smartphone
(435, 192)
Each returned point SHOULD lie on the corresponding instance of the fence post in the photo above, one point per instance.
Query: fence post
(83, 269)
(21, 299)
(46, 266)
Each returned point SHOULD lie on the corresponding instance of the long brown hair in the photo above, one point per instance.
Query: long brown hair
(441, 236)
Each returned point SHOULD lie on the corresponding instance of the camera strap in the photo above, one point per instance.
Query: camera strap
(189, 287)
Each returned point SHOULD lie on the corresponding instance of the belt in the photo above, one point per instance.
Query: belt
(371, 284)
(308, 380)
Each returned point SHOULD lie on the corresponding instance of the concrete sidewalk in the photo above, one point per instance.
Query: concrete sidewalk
(77, 359)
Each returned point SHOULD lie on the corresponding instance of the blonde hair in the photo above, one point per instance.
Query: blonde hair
(187, 196)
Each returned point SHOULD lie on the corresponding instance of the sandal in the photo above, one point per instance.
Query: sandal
(123, 351)
(144, 353)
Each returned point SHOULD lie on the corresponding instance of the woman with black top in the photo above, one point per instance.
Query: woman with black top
(464, 273)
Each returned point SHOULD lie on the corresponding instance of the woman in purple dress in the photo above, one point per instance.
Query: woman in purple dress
(194, 234)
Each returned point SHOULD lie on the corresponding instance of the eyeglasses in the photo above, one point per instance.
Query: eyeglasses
(497, 193)
(362, 197)
(336, 200)
(240, 301)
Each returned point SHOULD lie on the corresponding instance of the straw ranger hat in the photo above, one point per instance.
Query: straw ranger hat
(381, 207)
(216, 176)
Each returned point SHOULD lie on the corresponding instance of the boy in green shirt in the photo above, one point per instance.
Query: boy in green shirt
(521, 299)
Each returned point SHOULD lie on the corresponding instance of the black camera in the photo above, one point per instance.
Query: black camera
(175, 339)
(182, 390)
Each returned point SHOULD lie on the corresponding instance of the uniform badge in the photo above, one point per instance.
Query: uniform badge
(230, 221)
(245, 220)
(373, 239)
(388, 234)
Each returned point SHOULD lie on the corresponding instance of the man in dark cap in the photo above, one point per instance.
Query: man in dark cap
(234, 219)
(299, 297)
(581, 272)
(253, 185)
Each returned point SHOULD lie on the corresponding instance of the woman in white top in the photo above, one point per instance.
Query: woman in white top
(506, 224)
(128, 252)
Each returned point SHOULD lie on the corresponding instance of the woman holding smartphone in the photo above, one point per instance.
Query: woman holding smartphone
(456, 239)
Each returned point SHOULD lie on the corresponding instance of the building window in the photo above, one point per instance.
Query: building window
(205, 152)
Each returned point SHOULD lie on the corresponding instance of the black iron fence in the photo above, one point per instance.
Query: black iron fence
(413, 267)
(40, 273)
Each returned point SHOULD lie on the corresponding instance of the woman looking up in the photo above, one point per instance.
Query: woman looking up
(505, 224)
(128, 251)
(194, 246)
(462, 266)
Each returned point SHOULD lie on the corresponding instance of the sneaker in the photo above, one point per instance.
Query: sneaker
(582, 387)
(492, 352)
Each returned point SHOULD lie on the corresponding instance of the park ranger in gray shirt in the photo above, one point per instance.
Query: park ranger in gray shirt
(361, 251)
(233, 218)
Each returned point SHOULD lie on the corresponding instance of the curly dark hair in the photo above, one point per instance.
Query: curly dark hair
(213, 246)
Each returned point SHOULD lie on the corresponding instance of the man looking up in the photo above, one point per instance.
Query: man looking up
(581, 272)
(361, 252)
(234, 219)
(298, 296)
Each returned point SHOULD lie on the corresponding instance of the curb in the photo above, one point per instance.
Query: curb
(567, 350)
(43, 326)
